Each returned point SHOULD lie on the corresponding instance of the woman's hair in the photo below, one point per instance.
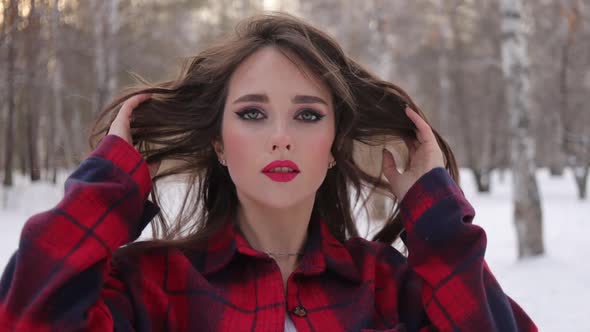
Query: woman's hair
(184, 116)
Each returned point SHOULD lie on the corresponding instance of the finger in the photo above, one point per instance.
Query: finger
(412, 145)
(121, 123)
(389, 166)
(130, 104)
(423, 131)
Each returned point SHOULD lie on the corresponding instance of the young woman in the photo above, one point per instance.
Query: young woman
(263, 127)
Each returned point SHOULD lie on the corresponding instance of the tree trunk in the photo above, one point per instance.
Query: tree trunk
(581, 176)
(112, 53)
(527, 205)
(31, 104)
(577, 149)
(61, 145)
(482, 180)
(443, 66)
(19, 141)
(11, 24)
(558, 153)
(459, 87)
(100, 60)
(487, 129)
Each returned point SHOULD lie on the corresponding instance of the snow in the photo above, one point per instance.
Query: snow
(552, 289)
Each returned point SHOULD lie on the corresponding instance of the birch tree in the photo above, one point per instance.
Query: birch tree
(106, 55)
(100, 56)
(12, 18)
(445, 37)
(31, 89)
(527, 206)
(112, 57)
(575, 145)
(58, 142)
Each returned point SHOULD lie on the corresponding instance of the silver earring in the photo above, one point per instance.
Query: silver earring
(222, 162)
(331, 164)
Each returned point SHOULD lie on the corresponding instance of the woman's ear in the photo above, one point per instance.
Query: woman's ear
(218, 147)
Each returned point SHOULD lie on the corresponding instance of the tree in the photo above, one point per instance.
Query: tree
(575, 146)
(527, 206)
(11, 29)
(31, 89)
(58, 141)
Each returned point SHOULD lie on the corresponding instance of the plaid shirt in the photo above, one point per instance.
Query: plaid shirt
(63, 277)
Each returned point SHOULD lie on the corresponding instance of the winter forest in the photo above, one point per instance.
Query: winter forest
(505, 82)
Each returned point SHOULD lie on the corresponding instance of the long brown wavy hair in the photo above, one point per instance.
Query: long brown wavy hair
(184, 116)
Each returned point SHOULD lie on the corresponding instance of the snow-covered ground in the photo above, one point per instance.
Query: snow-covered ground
(552, 289)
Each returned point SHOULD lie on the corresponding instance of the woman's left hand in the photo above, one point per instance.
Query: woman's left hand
(424, 155)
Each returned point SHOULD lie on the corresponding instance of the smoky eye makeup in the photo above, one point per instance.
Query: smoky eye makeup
(317, 116)
(250, 113)
(254, 114)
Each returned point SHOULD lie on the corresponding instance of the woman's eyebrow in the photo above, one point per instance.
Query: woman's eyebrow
(306, 99)
(298, 99)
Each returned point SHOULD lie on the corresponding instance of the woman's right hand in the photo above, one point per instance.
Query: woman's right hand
(121, 126)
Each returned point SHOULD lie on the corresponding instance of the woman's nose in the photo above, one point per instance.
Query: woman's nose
(278, 146)
(281, 139)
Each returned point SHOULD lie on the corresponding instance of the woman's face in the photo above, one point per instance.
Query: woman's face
(275, 112)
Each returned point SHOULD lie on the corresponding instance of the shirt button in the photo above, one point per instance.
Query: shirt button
(300, 311)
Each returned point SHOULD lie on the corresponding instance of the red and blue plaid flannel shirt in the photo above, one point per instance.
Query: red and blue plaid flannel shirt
(64, 278)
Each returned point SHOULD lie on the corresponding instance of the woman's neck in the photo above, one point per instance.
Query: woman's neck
(277, 231)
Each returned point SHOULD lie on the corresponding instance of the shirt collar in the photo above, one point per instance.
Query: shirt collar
(322, 251)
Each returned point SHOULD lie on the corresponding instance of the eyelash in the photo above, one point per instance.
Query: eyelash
(250, 110)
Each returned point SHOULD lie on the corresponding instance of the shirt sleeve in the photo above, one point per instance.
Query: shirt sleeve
(446, 262)
(60, 278)
(444, 284)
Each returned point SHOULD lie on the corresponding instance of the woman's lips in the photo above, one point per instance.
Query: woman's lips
(281, 176)
(281, 163)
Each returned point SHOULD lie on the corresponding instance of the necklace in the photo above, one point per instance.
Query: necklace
(280, 254)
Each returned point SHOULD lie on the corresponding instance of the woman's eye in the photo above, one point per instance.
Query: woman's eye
(250, 114)
(310, 116)
(255, 114)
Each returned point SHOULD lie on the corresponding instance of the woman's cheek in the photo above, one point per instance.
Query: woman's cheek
(321, 144)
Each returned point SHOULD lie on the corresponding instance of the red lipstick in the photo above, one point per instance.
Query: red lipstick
(281, 176)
